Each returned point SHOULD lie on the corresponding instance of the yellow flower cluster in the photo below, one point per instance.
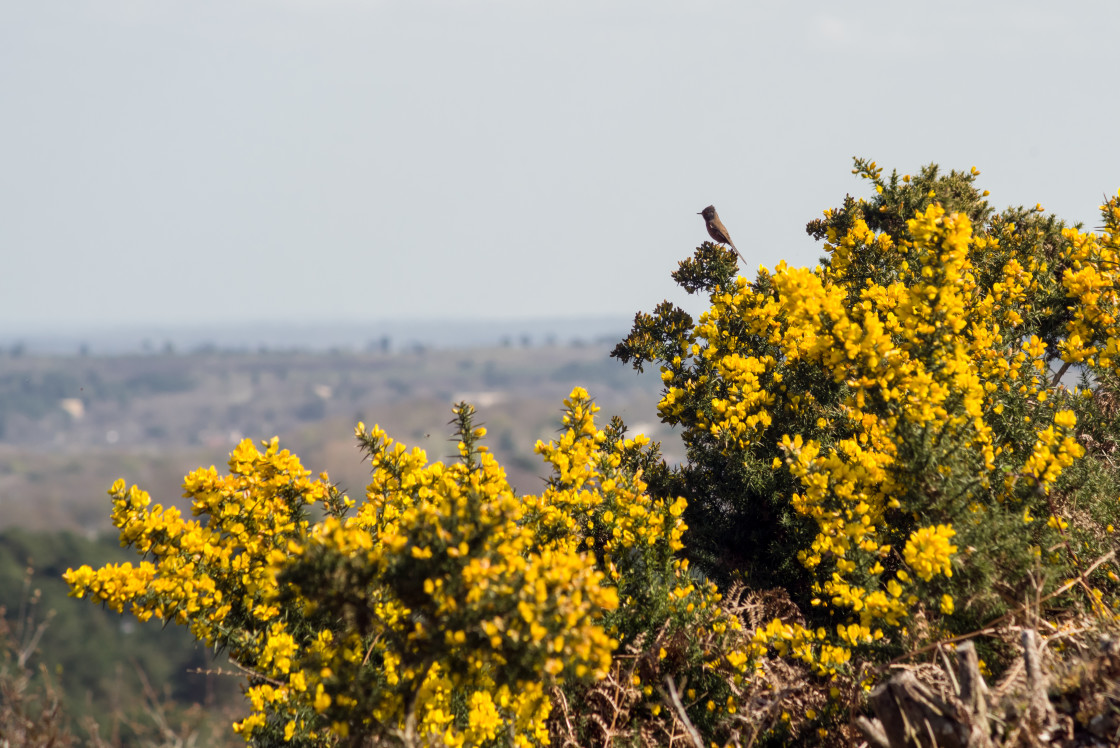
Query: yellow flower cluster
(443, 604)
(1055, 450)
(592, 501)
(1092, 284)
(812, 647)
(461, 580)
(456, 593)
(928, 361)
(206, 574)
(929, 552)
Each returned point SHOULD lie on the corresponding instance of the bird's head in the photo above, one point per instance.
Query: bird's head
(709, 213)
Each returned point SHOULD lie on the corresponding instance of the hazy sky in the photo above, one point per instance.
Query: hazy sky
(223, 161)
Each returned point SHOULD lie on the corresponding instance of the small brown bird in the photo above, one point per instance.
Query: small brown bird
(717, 230)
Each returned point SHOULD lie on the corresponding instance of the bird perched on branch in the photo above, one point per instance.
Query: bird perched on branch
(717, 230)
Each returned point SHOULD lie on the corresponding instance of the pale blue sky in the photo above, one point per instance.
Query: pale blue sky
(216, 161)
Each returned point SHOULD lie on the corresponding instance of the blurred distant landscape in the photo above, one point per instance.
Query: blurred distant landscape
(382, 336)
(73, 422)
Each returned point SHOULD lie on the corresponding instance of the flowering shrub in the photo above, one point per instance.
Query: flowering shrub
(877, 435)
(670, 623)
(442, 609)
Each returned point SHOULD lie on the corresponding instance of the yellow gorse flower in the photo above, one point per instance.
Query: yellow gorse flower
(929, 552)
(922, 333)
(441, 582)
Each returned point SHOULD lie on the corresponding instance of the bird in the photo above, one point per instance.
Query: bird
(717, 230)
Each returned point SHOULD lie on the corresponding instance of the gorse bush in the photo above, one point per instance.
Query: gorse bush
(885, 436)
(442, 609)
(884, 452)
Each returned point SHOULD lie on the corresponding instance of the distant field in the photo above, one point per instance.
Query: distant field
(70, 426)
